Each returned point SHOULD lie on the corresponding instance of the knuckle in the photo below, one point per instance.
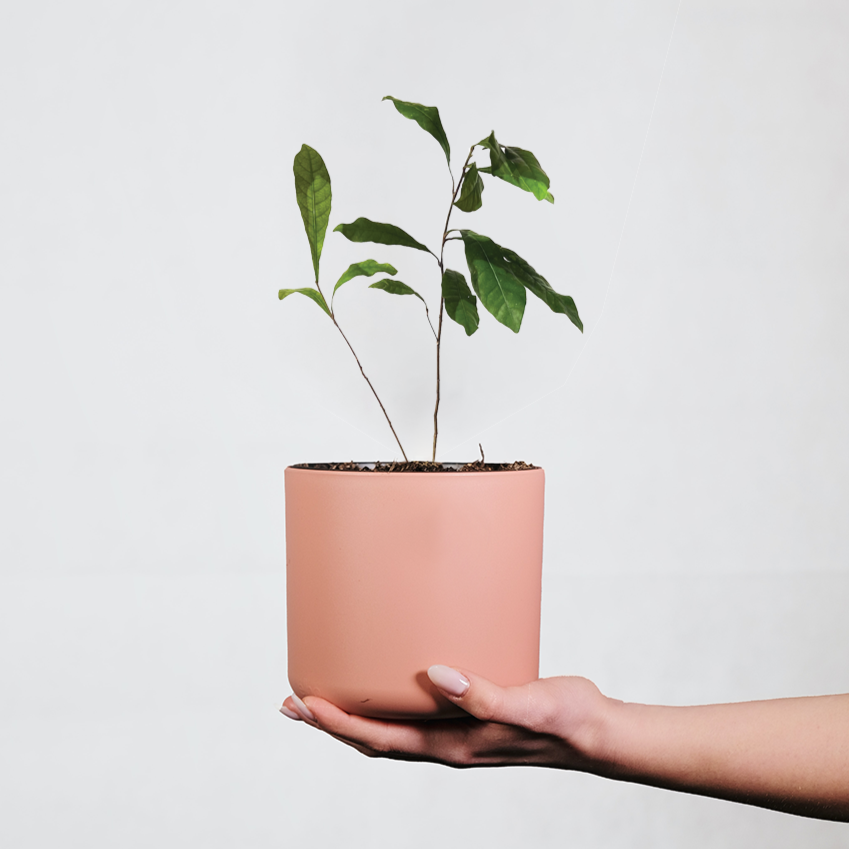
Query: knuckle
(452, 752)
(460, 758)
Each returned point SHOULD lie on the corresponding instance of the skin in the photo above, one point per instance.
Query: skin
(790, 755)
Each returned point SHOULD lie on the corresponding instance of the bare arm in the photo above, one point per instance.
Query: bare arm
(788, 754)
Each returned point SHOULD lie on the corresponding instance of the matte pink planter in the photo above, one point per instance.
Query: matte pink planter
(388, 573)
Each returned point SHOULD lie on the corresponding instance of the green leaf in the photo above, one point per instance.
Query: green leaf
(310, 293)
(511, 266)
(312, 190)
(366, 268)
(427, 117)
(363, 230)
(470, 194)
(396, 287)
(517, 167)
(500, 291)
(496, 157)
(539, 286)
(460, 303)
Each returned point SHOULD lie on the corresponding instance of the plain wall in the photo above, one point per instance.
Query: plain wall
(152, 390)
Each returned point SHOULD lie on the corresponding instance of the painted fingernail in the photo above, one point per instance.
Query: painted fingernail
(290, 713)
(302, 709)
(448, 680)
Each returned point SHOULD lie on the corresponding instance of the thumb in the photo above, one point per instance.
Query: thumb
(481, 698)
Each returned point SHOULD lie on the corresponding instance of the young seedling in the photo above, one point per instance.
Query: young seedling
(500, 277)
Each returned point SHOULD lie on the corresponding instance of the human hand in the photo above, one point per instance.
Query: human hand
(553, 722)
(787, 754)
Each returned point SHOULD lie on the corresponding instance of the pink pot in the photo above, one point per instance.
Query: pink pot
(388, 573)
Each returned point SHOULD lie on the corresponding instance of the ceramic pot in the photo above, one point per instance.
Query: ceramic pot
(388, 573)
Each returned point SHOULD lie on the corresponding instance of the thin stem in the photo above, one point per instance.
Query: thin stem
(427, 315)
(374, 392)
(362, 371)
(436, 407)
(454, 198)
(455, 189)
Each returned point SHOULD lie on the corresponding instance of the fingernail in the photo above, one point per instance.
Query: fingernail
(302, 709)
(448, 680)
(290, 713)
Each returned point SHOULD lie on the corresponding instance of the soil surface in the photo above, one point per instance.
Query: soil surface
(418, 466)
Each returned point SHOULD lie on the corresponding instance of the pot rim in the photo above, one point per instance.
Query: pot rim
(450, 470)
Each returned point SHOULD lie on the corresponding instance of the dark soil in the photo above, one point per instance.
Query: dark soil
(418, 466)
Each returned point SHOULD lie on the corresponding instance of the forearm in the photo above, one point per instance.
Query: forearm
(787, 754)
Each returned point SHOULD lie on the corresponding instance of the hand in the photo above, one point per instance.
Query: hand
(553, 722)
(787, 754)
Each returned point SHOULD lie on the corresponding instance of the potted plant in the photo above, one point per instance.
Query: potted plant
(394, 566)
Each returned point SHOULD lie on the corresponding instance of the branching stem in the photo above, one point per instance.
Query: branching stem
(455, 190)
(362, 371)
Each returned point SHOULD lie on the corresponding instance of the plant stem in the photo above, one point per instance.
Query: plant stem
(362, 371)
(455, 190)
(436, 408)
(374, 392)
(427, 315)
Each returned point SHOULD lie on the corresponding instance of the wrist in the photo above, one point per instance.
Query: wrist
(601, 742)
(586, 721)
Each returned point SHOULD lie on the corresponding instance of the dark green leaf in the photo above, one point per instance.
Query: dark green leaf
(517, 167)
(312, 190)
(470, 195)
(525, 169)
(496, 157)
(511, 266)
(396, 287)
(539, 286)
(460, 303)
(500, 291)
(363, 230)
(427, 117)
(366, 268)
(310, 293)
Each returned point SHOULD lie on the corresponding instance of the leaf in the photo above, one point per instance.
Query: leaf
(525, 169)
(396, 287)
(539, 286)
(363, 230)
(496, 157)
(312, 190)
(512, 266)
(460, 303)
(366, 268)
(470, 194)
(517, 167)
(500, 291)
(310, 293)
(427, 117)
(508, 178)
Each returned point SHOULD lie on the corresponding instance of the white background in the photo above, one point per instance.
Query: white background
(152, 390)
